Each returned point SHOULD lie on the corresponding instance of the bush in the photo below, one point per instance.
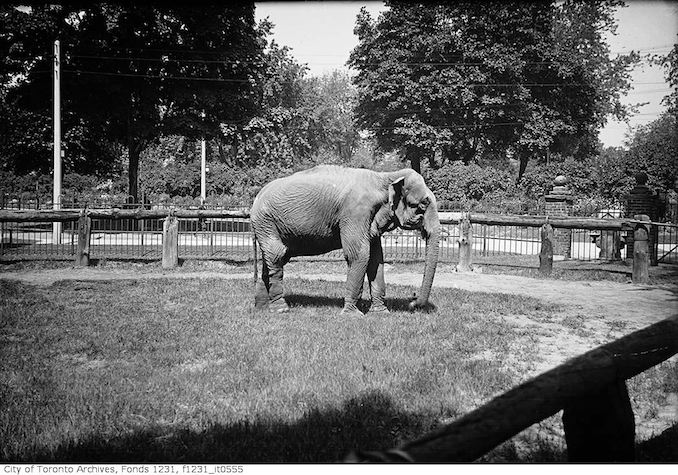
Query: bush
(458, 183)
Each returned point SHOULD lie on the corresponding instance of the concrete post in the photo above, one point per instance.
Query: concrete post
(641, 200)
(641, 248)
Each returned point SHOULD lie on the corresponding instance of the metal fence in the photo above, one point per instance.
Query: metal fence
(231, 239)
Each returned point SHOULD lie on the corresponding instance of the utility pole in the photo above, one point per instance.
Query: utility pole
(56, 197)
(203, 167)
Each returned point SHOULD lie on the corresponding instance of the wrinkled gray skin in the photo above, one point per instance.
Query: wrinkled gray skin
(329, 207)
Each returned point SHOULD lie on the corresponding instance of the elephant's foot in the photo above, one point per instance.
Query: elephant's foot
(278, 306)
(379, 308)
(351, 309)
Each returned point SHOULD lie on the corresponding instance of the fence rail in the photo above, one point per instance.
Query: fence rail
(591, 389)
(120, 233)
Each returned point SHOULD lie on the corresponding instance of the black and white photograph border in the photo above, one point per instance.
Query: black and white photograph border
(235, 237)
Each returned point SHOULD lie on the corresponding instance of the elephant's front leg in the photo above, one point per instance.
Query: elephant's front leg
(357, 258)
(375, 276)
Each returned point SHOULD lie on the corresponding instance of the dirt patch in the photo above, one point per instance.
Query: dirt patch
(635, 305)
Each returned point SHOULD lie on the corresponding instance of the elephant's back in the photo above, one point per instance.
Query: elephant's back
(321, 183)
(318, 194)
(299, 207)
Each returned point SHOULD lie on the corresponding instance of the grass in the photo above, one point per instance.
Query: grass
(168, 370)
(186, 370)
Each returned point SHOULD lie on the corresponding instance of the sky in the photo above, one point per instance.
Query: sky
(320, 35)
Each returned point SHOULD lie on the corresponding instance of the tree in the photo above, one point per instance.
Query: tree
(464, 80)
(26, 137)
(136, 71)
(299, 120)
(653, 149)
(670, 63)
(264, 138)
(328, 102)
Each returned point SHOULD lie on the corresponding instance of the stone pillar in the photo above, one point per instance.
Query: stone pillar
(559, 203)
(641, 200)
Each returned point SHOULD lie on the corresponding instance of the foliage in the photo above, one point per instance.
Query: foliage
(464, 93)
(171, 167)
(132, 72)
(653, 149)
(329, 103)
(35, 190)
(601, 179)
(300, 121)
(463, 184)
(480, 79)
(670, 64)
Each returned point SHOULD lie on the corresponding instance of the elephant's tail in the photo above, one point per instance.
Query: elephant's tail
(255, 255)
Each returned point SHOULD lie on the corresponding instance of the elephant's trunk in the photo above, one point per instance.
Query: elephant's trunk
(431, 231)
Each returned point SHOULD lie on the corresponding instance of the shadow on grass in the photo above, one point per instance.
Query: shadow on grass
(367, 422)
(370, 421)
(307, 300)
(661, 448)
(393, 304)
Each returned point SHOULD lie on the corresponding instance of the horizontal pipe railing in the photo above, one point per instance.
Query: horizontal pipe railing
(445, 217)
(479, 431)
(115, 213)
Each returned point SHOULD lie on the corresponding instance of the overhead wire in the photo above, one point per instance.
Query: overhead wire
(156, 76)
(463, 85)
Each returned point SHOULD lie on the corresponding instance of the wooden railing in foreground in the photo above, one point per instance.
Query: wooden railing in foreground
(640, 228)
(591, 389)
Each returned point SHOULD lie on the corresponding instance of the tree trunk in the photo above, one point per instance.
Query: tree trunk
(414, 156)
(133, 151)
(523, 166)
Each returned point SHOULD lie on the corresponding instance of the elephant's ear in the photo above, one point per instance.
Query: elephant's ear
(395, 193)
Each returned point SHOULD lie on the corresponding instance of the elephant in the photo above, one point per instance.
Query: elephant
(329, 207)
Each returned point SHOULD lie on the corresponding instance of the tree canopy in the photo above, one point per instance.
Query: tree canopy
(131, 72)
(464, 80)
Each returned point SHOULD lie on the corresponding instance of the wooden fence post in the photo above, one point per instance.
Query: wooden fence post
(641, 251)
(84, 234)
(465, 241)
(546, 253)
(170, 242)
(599, 427)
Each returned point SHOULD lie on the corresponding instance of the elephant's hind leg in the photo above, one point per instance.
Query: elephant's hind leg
(271, 289)
(261, 298)
(275, 291)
